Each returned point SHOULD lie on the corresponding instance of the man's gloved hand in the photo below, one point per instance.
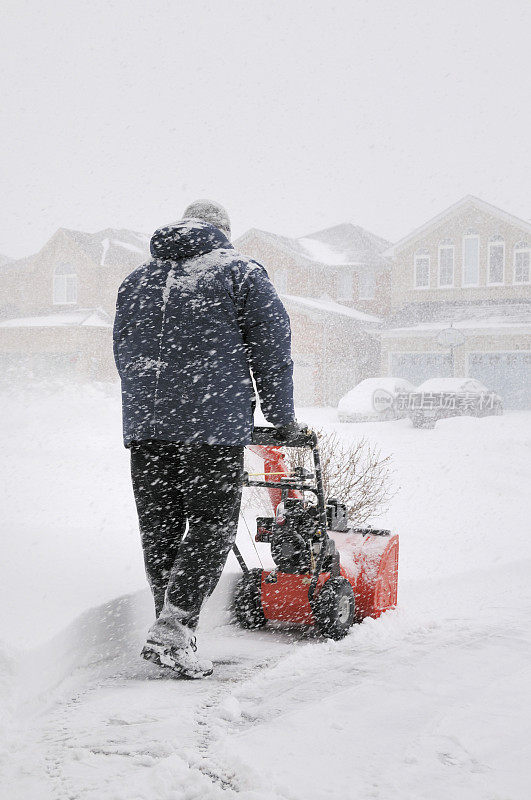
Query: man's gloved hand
(292, 430)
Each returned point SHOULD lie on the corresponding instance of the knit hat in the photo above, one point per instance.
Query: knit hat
(209, 211)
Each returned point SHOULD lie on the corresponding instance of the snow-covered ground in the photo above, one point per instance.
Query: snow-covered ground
(430, 701)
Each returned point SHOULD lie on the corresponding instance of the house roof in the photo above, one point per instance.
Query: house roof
(468, 200)
(471, 317)
(281, 242)
(110, 247)
(16, 265)
(341, 245)
(327, 306)
(350, 243)
(88, 317)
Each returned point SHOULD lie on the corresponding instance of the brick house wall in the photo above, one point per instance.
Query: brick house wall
(293, 273)
(26, 285)
(493, 315)
(470, 218)
(331, 354)
(80, 350)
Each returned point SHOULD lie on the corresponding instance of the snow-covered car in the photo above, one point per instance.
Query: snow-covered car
(373, 399)
(438, 398)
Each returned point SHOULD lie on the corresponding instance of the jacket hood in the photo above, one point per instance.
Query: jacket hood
(187, 238)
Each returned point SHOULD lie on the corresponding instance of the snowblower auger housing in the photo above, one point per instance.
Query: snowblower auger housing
(327, 574)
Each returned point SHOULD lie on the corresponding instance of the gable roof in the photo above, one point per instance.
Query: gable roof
(468, 200)
(340, 245)
(16, 265)
(281, 242)
(351, 242)
(110, 247)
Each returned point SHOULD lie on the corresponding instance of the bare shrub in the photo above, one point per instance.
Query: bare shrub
(355, 473)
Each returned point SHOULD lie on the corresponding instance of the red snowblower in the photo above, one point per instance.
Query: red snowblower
(327, 573)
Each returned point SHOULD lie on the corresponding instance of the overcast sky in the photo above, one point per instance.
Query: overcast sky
(296, 115)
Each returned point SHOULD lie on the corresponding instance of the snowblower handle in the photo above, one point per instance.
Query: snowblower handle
(273, 437)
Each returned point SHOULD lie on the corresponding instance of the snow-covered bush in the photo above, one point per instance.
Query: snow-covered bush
(355, 473)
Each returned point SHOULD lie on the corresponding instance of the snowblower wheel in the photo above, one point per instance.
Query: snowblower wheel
(334, 609)
(248, 600)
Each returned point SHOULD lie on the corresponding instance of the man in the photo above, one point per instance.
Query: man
(191, 327)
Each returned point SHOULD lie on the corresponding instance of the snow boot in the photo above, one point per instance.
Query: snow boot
(182, 660)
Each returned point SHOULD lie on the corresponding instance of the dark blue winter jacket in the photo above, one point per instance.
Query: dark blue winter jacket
(190, 326)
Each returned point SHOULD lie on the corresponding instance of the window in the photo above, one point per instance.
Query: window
(522, 258)
(367, 285)
(281, 280)
(496, 261)
(446, 265)
(64, 285)
(471, 260)
(422, 271)
(344, 286)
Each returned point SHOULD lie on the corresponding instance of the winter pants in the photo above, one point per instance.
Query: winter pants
(175, 484)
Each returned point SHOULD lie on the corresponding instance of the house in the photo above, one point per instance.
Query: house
(344, 263)
(333, 348)
(452, 297)
(333, 283)
(57, 306)
(461, 301)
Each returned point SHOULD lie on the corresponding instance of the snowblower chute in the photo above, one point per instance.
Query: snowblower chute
(327, 573)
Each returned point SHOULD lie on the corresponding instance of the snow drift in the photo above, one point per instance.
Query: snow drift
(428, 701)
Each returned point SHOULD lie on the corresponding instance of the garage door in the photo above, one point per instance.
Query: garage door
(304, 381)
(508, 374)
(418, 367)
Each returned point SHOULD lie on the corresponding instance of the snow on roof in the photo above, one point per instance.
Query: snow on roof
(284, 243)
(324, 304)
(112, 248)
(494, 322)
(340, 245)
(473, 317)
(470, 324)
(107, 244)
(105, 249)
(355, 244)
(469, 199)
(92, 318)
(322, 252)
(128, 246)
